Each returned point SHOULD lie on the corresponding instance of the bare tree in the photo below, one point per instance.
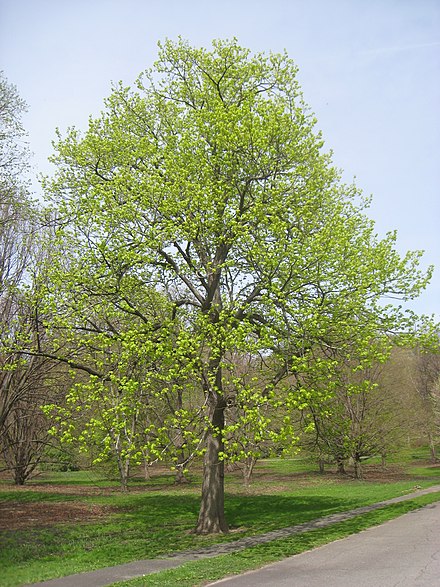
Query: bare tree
(426, 379)
(23, 378)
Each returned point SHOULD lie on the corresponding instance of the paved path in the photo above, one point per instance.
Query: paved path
(404, 552)
(103, 577)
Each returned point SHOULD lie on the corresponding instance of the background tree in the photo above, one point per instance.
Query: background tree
(14, 154)
(426, 379)
(404, 418)
(256, 425)
(24, 436)
(24, 379)
(109, 409)
(373, 411)
(358, 421)
(15, 228)
(208, 184)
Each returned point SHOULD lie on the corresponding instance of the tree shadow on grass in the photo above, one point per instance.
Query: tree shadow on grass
(269, 512)
(257, 513)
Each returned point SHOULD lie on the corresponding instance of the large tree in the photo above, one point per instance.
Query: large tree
(208, 183)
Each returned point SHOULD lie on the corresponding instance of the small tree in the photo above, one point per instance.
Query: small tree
(25, 437)
(116, 360)
(373, 410)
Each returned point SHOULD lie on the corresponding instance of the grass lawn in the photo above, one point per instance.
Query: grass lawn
(63, 523)
(198, 573)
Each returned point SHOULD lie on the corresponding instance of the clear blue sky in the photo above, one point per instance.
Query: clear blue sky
(370, 70)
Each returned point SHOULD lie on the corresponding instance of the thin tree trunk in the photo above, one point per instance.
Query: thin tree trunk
(180, 477)
(248, 469)
(432, 448)
(124, 471)
(340, 465)
(357, 468)
(181, 457)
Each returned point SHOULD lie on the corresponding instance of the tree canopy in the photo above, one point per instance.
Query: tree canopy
(208, 185)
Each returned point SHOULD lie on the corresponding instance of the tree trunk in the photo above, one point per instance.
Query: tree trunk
(432, 448)
(321, 464)
(341, 465)
(212, 508)
(357, 468)
(179, 442)
(20, 475)
(180, 478)
(212, 515)
(124, 472)
(248, 469)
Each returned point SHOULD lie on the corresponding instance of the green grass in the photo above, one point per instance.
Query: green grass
(158, 520)
(290, 465)
(430, 472)
(197, 573)
(90, 478)
(93, 479)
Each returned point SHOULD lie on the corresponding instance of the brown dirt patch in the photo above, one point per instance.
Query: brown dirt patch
(15, 515)
(19, 514)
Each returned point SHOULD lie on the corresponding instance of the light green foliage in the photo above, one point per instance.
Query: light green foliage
(113, 410)
(201, 212)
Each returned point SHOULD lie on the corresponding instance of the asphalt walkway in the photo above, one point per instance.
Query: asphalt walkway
(109, 575)
(404, 552)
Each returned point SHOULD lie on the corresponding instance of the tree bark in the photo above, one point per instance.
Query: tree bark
(147, 475)
(124, 471)
(180, 478)
(179, 443)
(248, 469)
(212, 514)
(357, 468)
(212, 508)
(341, 465)
(432, 448)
